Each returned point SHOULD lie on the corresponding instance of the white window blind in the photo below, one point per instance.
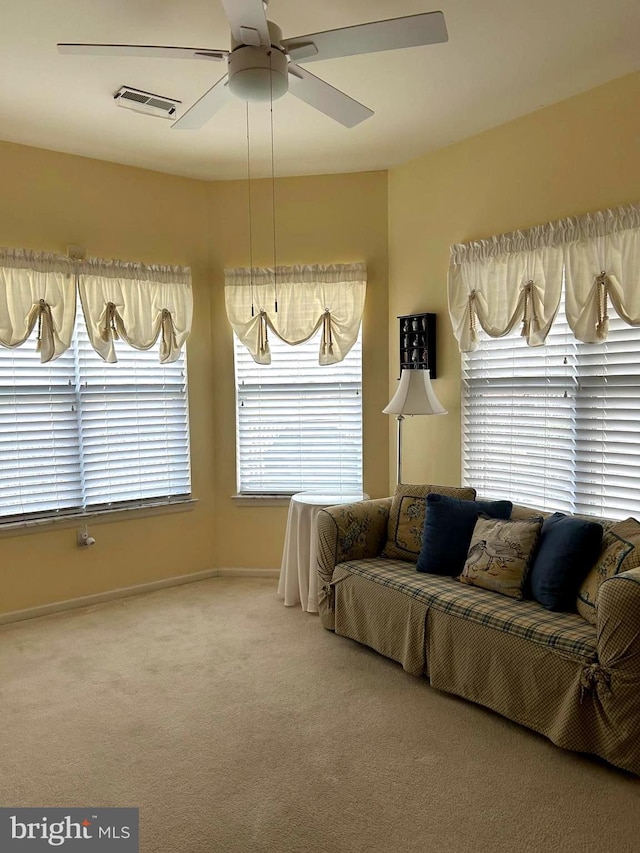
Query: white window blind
(299, 424)
(607, 422)
(555, 427)
(39, 451)
(77, 434)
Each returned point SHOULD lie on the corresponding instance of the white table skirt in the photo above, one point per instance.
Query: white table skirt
(298, 582)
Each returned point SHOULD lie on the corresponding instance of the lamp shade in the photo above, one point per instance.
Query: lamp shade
(415, 396)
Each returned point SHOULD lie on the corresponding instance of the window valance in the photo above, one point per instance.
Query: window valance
(517, 278)
(129, 301)
(136, 303)
(294, 302)
(602, 263)
(36, 288)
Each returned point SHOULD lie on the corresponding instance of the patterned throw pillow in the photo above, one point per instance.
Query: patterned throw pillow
(406, 518)
(620, 551)
(448, 527)
(500, 554)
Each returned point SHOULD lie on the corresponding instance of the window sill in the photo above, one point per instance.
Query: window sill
(261, 500)
(103, 516)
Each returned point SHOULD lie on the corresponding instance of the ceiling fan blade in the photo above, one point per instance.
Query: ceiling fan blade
(330, 101)
(395, 33)
(205, 107)
(143, 50)
(248, 21)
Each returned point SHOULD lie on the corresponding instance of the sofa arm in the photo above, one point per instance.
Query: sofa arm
(618, 636)
(347, 532)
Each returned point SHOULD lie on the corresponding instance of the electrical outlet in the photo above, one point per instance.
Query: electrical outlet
(84, 540)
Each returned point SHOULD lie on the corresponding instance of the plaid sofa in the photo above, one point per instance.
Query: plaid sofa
(577, 684)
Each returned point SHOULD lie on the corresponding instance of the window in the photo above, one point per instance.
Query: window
(299, 424)
(555, 426)
(79, 435)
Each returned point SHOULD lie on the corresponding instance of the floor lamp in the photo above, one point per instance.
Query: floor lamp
(415, 396)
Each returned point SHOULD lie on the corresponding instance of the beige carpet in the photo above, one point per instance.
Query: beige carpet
(239, 725)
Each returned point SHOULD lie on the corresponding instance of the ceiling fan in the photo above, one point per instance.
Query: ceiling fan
(262, 66)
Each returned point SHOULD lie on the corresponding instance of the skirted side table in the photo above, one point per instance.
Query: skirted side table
(298, 582)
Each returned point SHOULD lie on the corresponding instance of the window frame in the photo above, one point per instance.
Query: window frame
(278, 347)
(586, 368)
(80, 350)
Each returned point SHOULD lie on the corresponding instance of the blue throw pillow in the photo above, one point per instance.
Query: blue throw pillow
(447, 532)
(568, 548)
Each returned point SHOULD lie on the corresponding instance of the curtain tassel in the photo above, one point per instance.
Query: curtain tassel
(602, 324)
(473, 330)
(45, 344)
(529, 316)
(263, 336)
(327, 334)
(110, 329)
(169, 343)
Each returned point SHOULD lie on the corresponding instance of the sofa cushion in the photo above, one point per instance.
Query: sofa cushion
(500, 554)
(521, 511)
(406, 518)
(566, 633)
(448, 527)
(620, 551)
(568, 548)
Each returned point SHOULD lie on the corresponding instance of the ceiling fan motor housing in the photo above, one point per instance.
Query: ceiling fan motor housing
(258, 72)
(261, 63)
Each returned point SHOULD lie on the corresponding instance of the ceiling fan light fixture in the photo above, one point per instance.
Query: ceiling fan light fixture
(258, 73)
(262, 66)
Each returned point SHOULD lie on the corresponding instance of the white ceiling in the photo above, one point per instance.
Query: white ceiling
(504, 58)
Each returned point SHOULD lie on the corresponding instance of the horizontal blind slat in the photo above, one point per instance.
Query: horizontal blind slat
(555, 426)
(299, 424)
(78, 432)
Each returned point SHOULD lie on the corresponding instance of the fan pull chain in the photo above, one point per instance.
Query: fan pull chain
(273, 192)
(250, 217)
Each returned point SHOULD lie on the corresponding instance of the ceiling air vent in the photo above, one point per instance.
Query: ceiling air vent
(146, 102)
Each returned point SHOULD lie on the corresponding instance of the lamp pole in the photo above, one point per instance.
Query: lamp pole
(399, 420)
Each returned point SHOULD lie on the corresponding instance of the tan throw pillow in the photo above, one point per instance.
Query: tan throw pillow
(406, 518)
(620, 551)
(500, 554)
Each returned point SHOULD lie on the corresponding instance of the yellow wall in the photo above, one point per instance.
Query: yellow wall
(323, 219)
(576, 156)
(580, 155)
(52, 200)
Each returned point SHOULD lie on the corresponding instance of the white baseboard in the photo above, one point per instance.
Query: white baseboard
(125, 592)
(249, 573)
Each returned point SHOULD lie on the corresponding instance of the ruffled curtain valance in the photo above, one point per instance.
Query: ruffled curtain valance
(517, 278)
(36, 288)
(506, 280)
(293, 303)
(602, 263)
(134, 302)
